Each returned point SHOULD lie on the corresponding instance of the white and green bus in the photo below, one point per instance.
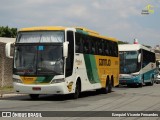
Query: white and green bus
(62, 60)
(137, 65)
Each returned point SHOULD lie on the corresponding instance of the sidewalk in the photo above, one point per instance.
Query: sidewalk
(6, 92)
(9, 94)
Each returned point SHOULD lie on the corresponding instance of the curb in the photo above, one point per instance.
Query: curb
(2, 93)
(6, 95)
(9, 94)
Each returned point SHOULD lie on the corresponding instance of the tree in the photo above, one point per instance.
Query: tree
(8, 32)
(121, 42)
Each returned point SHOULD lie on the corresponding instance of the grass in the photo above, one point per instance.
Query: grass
(6, 89)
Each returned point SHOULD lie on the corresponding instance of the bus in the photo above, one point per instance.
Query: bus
(137, 65)
(63, 60)
(158, 64)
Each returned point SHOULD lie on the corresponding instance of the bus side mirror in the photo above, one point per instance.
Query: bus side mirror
(65, 49)
(8, 50)
(139, 58)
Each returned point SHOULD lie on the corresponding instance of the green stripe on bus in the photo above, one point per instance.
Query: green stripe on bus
(81, 31)
(91, 68)
(46, 79)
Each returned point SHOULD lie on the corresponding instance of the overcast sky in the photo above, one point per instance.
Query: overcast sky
(121, 19)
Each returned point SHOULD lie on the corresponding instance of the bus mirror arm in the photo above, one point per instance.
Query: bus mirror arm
(139, 58)
(65, 49)
(8, 50)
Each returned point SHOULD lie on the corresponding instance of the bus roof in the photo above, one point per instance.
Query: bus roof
(94, 33)
(82, 29)
(132, 47)
(43, 28)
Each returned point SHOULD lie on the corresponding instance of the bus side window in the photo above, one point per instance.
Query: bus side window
(115, 49)
(110, 48)
(102, 44)
(99, 47)
(147, 57)
(78, 44)
(106, 51)
(81, 45)
(93, 49)
(96, 47)
(86, 49)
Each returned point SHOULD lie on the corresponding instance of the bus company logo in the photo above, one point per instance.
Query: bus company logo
(6, 114)
(149, 9)
(79, 62)
(104, 62)
(21, 114)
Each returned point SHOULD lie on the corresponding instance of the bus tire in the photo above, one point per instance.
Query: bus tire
(108, 87)
(142, 83)
(129, 85)
(117, 86)
(152, 82)
(77, 90)
(34, 96)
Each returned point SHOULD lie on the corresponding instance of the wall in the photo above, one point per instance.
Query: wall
(5, 68)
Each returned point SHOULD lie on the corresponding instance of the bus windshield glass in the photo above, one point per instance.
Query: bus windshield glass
(128, 62)
(38, 60)
(41, 37)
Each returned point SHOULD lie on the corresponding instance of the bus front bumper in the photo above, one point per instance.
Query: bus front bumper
(58, 88)
(128, 81)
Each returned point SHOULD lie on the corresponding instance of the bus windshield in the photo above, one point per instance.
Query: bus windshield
(128, 62)
(38, 60)
(41, 37)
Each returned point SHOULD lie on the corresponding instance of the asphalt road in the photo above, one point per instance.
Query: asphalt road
(123, 98)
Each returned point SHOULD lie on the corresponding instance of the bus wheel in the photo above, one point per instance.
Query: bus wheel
(152, 82)
(108, 88)
(142, 83)
(129, 85)
(77, 90)
(34, 96)
(117, 86)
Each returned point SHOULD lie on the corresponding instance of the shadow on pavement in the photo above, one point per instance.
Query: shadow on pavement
(24, 97)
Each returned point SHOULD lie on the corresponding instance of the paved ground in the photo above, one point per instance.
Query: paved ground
(121, 99)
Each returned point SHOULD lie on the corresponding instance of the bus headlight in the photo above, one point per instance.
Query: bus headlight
(17, 80)
(135, 75)
(58, 81)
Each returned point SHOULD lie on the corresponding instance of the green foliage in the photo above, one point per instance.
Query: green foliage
(147, 46)
(8, 32)
(121, 42)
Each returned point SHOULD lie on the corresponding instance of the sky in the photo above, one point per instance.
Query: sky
(121, 19)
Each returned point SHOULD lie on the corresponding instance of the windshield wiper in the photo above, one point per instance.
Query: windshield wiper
(43, 71)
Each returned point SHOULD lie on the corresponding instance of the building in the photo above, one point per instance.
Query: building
(5, 64)
(157, 51)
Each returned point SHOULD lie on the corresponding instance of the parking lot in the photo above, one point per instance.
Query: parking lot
(122, 98)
